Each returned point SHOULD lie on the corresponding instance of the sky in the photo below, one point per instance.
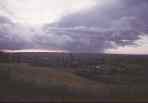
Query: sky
(93, 26)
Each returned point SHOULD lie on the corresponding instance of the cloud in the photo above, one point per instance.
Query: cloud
(35, 12)
(13, 36)
(141, 49)
(118, 23)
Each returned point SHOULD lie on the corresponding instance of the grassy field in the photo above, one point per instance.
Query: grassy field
(107, 78)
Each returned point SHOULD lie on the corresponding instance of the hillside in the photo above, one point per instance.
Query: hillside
(80, 77)
(24, 80)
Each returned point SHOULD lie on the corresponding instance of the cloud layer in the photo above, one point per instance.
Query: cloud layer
(118, 23)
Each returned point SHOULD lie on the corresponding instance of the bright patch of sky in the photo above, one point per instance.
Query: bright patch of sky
(43, 11)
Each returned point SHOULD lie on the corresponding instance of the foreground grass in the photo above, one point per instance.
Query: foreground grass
(25, 82)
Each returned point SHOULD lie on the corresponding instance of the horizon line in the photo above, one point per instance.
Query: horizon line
(58, 51)
(30, 50)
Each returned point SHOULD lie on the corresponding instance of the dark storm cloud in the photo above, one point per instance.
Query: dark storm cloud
(119, 23)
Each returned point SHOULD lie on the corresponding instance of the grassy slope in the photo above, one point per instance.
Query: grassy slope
(25, 80)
